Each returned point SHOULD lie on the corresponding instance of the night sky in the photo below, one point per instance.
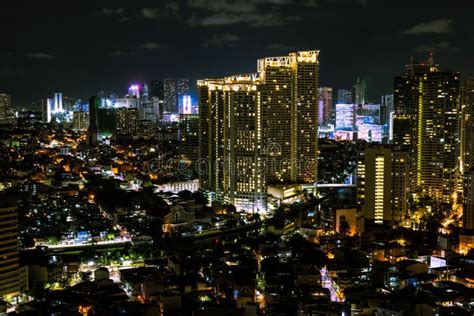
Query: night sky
(82, 47)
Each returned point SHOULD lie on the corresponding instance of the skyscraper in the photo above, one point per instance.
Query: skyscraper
(174, 90)
(468, 207)
(231, 142)
(270, 116)
(382, 184)
(9, 256)
(358, 93)
(467, 126)
(5, 107)
(128, 121)
(182, 87)
(80, 120)
(292, 115)
(171, 101)
(189, 141)
(386, 108)
(185, 104)
(58, 102)
(466, 237)
(324, 106)
(156, 89)
(426, 119)
(93, 131)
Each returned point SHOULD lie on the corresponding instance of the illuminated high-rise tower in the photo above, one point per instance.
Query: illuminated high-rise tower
(171, 102)
(260, 128)
(58, 102)
(324, 105)
(382, 184)
(232, 141)
(292, 116)
(466, 237)
(182, 87)
(426, 119)
(5, 107)
(386, 108)
(467, 126)
(127, 121)
(9, 256)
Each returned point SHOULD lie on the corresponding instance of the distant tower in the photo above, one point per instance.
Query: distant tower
(49, 109)
(171, 101)
(185, 104)
(155, 89)
(58, 102)
(5, 107)
(324, 106)
(386, 108)
(182, 87)
(358, 93)
(93, 131)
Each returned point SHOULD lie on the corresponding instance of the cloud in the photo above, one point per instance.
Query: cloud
(166, 10)
(440, 46)
(281, 47)
(110, 11)
(40, 56)
(226, 6)
(221, 40)
(115, 12)
(150, 13)
(252, 19)
(122, 53)
(254, 13)
(151, 46)
(439, 26)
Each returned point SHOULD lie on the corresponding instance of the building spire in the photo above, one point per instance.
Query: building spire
(430, 61)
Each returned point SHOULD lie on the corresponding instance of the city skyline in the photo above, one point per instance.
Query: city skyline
(237, 157)
(167, 38)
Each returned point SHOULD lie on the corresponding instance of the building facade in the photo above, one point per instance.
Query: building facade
(231, 142)
(324, 106)
(358, 93)
(468, 205)
(345, 116)
(5, 108)
(382, 184)
(426, 119)
(9, 255)
(128, 121)
(467, 126)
